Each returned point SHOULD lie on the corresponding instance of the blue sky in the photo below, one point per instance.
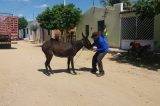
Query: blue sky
(30, 8)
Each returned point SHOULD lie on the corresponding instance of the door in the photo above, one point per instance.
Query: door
(101, 25)
(87, 30)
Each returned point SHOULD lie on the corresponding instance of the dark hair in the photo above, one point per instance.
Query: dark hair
(94, 34)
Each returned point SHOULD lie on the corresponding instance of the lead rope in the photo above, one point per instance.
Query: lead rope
(78, 56)
(79, 53)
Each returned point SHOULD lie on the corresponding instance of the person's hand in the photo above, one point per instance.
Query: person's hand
(94, 49)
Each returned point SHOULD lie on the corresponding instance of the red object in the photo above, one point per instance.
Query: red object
(137, 45)
(9, 26)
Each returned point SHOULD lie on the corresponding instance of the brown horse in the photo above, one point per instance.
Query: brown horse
(66, 50)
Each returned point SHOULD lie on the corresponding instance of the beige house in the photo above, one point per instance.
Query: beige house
(89, 21)
(94, 20)
(39, 36)
(123, 26)
(42, 35)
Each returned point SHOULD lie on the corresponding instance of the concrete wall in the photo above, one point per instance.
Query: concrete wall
(113, 24)
(112, 21)
(41, 34)
(44, 36)
(157, 31)
(91, 18)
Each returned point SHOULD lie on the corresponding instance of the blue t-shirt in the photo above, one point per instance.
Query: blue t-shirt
(102, 45)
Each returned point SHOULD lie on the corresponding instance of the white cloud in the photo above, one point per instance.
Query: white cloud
(42, 6)
(20, 15)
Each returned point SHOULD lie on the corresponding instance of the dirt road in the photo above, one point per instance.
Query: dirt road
(23, 83)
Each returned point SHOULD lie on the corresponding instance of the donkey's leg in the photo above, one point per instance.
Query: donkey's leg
(72, 63)
(48, 60)
(68, 63)
(46, 65)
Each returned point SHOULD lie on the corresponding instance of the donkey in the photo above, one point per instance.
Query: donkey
(64, 50)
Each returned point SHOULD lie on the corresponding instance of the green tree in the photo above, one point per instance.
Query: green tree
(46, 19)
(126, 3)
(60, 17)
(22, 23)
(147, 8)
(109, 2)
(67, 16)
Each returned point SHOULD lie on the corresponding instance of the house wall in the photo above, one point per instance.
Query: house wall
(113, 24)
(45, 36)
(20, 34)
(40, 35)
(90, 18)
(112, 21)
(157, 31)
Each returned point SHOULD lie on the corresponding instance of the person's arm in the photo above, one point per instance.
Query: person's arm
(102, 46)
(100, 49)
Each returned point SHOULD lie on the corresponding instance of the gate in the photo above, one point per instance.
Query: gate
(135, 29)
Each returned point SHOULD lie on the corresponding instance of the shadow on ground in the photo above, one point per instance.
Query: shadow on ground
(38, 46)
(12, 48)
(49, 72)
(151, 63)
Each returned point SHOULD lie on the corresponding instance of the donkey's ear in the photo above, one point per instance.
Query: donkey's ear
(83, 35)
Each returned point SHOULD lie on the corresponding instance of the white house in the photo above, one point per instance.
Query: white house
(40, 35)
(123, 26)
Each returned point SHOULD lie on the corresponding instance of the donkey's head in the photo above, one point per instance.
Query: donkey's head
(86, 42)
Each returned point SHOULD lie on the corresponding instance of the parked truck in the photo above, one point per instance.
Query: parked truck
(8, 29)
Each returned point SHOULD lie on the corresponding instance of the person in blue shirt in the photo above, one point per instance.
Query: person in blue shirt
(101, 47)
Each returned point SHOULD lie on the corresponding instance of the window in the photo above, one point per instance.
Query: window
(101, 25)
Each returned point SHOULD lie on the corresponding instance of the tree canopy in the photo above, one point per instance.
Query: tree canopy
(22, 23)
(46, 19)
(60, 17)
(147, 8)
(112, 2)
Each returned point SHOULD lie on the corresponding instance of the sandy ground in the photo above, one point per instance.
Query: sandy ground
(23, 83)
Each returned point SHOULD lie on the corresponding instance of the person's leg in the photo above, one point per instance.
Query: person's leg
(94, 62)
(100, 64)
